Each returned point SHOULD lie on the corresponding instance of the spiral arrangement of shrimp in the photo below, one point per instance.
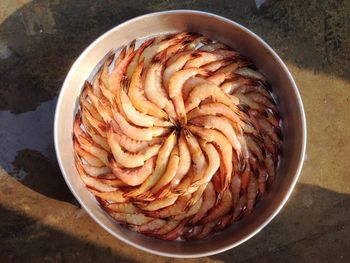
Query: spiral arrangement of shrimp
(177, 138)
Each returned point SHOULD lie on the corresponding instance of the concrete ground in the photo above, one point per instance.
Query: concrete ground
(39, 40)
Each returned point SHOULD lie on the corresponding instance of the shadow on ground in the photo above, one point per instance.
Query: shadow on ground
(313, 227)
(26, 240)
(39, 42)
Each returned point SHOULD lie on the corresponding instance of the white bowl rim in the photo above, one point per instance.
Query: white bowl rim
(301, 154)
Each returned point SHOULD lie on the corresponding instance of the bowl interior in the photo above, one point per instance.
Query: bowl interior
(237, 37)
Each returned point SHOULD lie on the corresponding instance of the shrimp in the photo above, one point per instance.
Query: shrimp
(139, 118)
(130, 160)
(220, 209)
(126, 208)
(250, 86)
(88, 129)
(235, 189)
(209, 199)
(189, 235)
(99, 126)
(184, 161)
(136, 133)
(207, 57)
(216, 79)
(178, 55)
(111, 180)
(212, 46)
(166, 228)
(89, 146)
(239, 208)
(135, 176)
(219, 78)
(115, 196)
(214, 108)
(135, 60)
(223, 125)
(258, 98)
(177, 208)
(90, 181)
(89, 158)
(96, 84)
(233, 67)
(244, 100)
(192, 211)
(254, 147)
(197, 41)
(207, 229)
(158, 203)
(191, 83)
(137, 96)
(197, 156)
(252, 192)
(250, 73)
(178, 231)
(216, 65)
(100, 141)
(84, 104)
(159, 46)
(262, 181)
(238, 84)
(167, 53)
(102, 106)
(190, 48)
(175, 88)
(117, 74)
(225, 220)
(150, 226)
(161, 164)
(135, 146)
(268, 144)
(108, 95)
(224, 147)
(177, 65)
(154, 90)
(213, 165)
(203, 91)
(96, 171)
(170, 171)
(270, 168)
(77, 131)
(133, 219)
(104, 76)
(185, 183)
(273, 118)
(267, 128)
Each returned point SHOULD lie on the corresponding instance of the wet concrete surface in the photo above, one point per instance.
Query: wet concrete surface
(39, 41)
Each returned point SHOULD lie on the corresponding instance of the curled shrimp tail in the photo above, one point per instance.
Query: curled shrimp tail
(147, 196)
(132, 47)
(160, 57)
(165, 193)
(196, 184)
(204, 73)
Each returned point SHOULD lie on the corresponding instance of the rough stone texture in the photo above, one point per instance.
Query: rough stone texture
(39, 40)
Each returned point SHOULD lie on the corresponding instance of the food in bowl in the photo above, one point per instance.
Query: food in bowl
(177, 138)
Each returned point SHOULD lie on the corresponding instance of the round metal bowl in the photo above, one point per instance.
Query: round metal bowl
(239, 38)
